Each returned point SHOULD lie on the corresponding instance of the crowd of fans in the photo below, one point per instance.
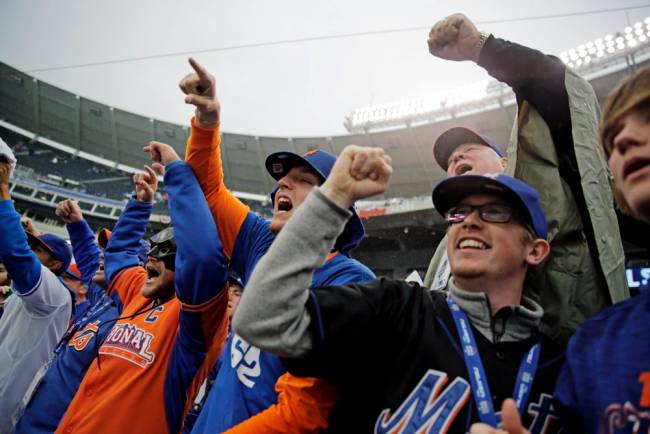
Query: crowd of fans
(525, 322)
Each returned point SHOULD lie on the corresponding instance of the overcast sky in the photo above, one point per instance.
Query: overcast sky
(289, 89)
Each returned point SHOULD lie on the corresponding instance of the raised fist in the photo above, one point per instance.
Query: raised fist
(162, 154)
(455, 38)
(146, 184)
(200, 88)
(358, 173)
(28, 226)
(68, 210)
(5, 173)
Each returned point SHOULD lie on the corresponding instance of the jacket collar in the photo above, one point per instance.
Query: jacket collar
(510, 324)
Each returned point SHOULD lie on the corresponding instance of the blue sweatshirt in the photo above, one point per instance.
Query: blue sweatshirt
(604, 386)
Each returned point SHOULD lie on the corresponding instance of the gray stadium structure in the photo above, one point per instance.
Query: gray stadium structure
(402, 227)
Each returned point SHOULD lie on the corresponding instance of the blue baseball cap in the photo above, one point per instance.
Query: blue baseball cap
(450, 191)
(234, 279)
(278, 164)
(57, 246)
(451, 139)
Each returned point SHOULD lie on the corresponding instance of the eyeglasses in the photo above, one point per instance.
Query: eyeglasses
(489, 212)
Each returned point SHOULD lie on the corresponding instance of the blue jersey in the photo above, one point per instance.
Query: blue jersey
(246, 381)
(605, 385)
(78, 348)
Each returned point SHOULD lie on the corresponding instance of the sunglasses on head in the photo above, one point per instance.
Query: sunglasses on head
(162, 250)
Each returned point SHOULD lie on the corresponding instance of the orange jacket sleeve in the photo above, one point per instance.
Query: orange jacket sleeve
(127, 284)
(203, 154)
(304, 406)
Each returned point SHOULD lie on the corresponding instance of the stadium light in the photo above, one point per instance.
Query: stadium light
(590, 56)
(609, 47)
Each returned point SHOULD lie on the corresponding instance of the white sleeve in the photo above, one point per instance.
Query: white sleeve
(47, 295)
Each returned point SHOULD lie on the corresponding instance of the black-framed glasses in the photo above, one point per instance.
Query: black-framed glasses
(489, 212)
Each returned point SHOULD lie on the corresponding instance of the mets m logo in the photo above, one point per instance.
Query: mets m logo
(428, 409)
(82, 337)
(131, 343)
(432, 408)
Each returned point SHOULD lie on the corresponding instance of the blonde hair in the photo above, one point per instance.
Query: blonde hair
(632, 93)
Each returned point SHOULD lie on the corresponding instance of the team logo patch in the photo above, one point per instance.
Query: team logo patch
(625, 418)
(131, 343)
(277, 168)
(82, 337)
(429, 408)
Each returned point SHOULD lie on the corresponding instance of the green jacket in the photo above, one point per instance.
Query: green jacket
(575, 282)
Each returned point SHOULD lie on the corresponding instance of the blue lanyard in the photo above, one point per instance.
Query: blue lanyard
(480, 387)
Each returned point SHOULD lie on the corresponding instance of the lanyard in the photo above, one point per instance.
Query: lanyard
(96, 309)
(91, 312)
(480, 387)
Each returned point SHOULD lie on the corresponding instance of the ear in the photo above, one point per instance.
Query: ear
(504, 162)
(538, 251)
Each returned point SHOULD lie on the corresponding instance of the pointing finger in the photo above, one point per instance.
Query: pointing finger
(154, 150)
(150, 173)
(199, 69)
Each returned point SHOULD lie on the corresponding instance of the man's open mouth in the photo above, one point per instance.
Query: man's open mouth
(284, 204)
(634, 165)
(463, 168)
(152, 273)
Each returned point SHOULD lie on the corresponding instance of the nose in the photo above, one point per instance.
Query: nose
(285, 183)
(626, 139)
(457, 156)
(473, 219)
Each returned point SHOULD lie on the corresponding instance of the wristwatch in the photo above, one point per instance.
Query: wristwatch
(481, 41)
